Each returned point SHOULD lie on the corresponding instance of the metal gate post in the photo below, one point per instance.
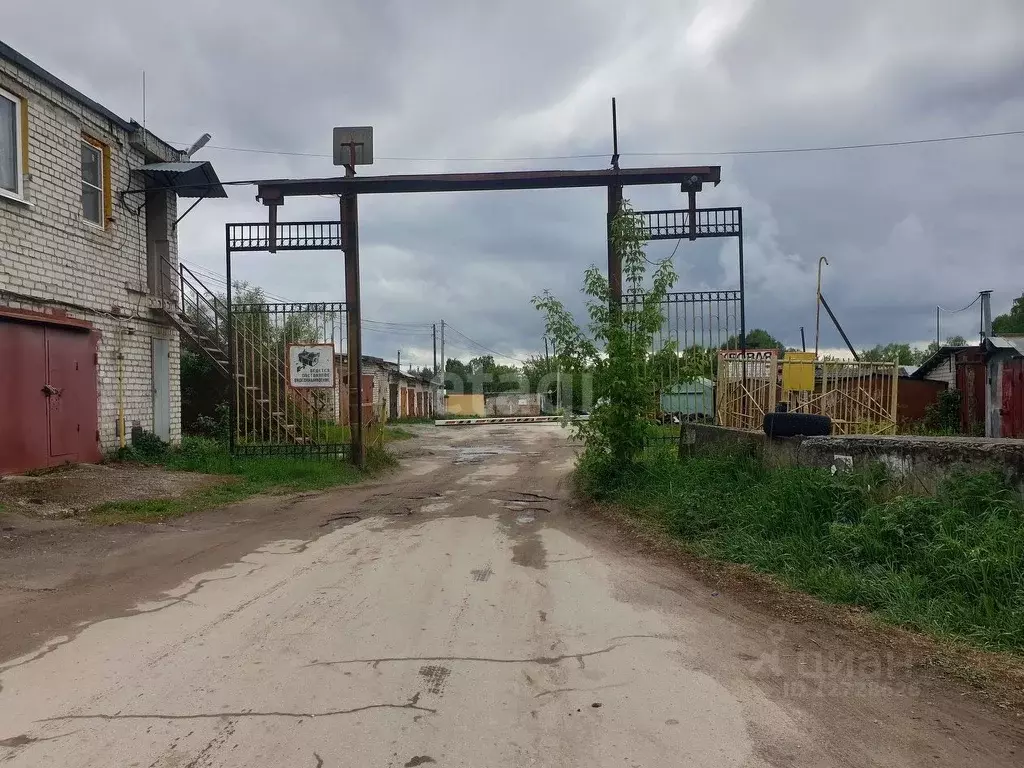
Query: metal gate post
(614, 257)
(233, 382)
(350, 244)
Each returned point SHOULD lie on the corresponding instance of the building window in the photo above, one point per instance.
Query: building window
(10, 144)
(92, 183)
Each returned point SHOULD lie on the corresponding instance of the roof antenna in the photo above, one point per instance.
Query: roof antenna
(143, 99)
(615, 137)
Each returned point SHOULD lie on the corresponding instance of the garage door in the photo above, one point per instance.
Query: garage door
(48, 388)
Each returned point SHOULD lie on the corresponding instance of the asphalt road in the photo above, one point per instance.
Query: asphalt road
(457, 614)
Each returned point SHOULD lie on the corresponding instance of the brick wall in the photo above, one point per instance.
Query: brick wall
(51, 258)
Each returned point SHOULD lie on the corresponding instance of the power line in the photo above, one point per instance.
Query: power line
(485, 348)
(590, 156)
(954, 311)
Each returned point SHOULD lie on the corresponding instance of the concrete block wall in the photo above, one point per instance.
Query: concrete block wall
(52, 258)
(921, 462)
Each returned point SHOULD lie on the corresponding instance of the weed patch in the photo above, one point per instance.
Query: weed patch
(951, 565)
(245, 477)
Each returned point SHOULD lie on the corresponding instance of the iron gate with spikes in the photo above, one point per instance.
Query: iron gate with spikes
(695, 326)
(276, 406)
(274, 415)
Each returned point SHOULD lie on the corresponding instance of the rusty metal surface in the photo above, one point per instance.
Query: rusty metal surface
(48, 387)
(274, 189)
(1012, 411)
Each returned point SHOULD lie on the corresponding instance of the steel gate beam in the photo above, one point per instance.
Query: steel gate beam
(273, 192)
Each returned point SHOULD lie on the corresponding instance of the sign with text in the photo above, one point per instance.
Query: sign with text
(760, 363)
(311, 365)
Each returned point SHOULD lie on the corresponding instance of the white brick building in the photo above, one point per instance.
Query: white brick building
(87, 266)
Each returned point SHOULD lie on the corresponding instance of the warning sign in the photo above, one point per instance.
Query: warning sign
(760, 363)
(311, 365)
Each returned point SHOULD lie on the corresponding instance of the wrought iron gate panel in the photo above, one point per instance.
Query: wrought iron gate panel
(271, 415)
(695, 326)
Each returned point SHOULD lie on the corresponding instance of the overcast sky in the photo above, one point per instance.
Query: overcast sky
(447, 82)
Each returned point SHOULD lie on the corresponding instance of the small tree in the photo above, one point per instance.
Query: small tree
(615, 347)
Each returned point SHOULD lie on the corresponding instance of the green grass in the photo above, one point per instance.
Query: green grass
(337, 433)
(951, 565)
(245, 477)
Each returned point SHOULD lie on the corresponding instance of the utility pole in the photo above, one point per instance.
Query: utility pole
(558, 377)
(986, 314)
(547, 362)
(399, 361)
(803, 341)
(442, 390)
(817, 308)
(434, 329)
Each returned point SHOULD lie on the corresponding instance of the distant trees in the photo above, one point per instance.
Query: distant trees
(904, 354)
(482, 374)
(1013, 321)
(758, 338)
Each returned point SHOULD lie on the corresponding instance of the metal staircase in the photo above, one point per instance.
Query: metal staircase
(202, 318)
(264, 404)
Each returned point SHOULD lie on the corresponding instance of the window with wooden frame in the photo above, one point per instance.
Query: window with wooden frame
(96, 201)
(13, 154)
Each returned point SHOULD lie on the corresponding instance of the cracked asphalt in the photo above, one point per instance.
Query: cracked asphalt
(460, 612)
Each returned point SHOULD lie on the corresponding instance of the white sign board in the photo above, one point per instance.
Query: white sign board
(761, 363)
(353, 145)
(311, 365)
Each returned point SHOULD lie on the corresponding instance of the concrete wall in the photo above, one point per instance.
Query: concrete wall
(923, 462)
(513, 405)
(52, 259)
(465, 405)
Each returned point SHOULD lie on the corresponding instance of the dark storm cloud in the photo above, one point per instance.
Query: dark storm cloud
(904, 228)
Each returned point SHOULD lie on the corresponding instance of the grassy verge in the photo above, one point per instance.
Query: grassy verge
(951, 565)
(338, 433)
(244, 477)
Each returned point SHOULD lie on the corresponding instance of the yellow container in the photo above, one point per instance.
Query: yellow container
(798, 372)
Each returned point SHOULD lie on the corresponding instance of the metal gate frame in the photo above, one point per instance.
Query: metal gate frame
(273, 398)
(348, 188)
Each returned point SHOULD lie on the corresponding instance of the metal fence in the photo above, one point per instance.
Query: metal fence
(275, 410)
(859, 397)
(683, 357)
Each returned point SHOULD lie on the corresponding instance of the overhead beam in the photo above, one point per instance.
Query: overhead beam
(272, 192)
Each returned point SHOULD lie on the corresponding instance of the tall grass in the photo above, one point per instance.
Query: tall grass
(246, 476)
(951, 564)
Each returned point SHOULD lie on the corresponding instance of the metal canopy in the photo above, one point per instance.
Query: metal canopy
(190, 178)
(690, 177)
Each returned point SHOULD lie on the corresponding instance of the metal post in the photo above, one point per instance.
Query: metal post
(938, 339)
(444, 365)
(350, 243)
(817, 308)
(839, 328)
(433, 329)
(614, 257)
(233, 410)
(986, 314)
(743, 301)
(803, 341)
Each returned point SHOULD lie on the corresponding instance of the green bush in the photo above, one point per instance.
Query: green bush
(952, 564)
(145, 446)
(943, 416)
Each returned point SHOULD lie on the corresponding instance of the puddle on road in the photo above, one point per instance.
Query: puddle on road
(420, 468)
(490, 474)
(435, 506)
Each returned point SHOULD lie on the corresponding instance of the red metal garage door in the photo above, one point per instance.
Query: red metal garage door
(1012, 412)
(48, 391)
